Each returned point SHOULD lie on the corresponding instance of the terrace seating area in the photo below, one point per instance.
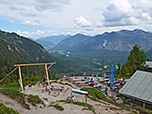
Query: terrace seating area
(101, 83)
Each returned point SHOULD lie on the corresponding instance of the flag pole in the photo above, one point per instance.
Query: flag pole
(103, 57)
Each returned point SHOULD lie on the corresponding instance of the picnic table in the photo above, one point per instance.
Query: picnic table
(75, 80)
(56, 87)
(113, 88)
(107, 83)
(106, 79)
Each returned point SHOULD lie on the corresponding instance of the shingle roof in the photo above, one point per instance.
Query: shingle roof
(139, 87)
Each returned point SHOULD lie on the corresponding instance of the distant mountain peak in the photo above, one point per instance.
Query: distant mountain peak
(138, 30)
(79, 34)
(135, 30)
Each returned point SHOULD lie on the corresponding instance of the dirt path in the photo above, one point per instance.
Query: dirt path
(100, 107)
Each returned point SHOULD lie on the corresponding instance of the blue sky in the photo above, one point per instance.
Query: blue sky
(39, 18)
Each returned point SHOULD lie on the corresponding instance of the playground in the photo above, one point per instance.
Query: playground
(99, 106)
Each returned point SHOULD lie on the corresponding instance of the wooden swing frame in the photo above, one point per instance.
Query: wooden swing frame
(18, 66)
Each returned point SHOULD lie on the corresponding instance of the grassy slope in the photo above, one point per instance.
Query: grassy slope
(6, 110)
(16, 95)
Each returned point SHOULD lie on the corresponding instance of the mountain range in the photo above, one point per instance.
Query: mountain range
(51, 41)
(89, 49)
(122, 40)
(75, 53)
(71, 42)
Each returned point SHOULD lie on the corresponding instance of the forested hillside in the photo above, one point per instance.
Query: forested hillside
(32, 48)
(11, 54)
(17, 49)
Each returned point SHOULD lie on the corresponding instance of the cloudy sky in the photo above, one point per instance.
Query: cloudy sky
(37, 18)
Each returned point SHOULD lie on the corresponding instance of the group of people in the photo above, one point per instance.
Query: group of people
(43, 82)
(119, 84)
(90, 81)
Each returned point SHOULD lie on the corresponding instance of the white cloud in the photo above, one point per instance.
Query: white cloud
(146, 16)
(18, 32)
(99, 24)
(40, 32)
(34, 7)
(12, 22)
(59, 16)
(82, 22)
(30, 23)
(133, 20)
(119, 13)
(24, 33)
(36, 34)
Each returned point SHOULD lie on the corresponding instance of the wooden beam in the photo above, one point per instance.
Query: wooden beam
(20, 78)
(33, 64)
(46, 72)
(8, 74)
(50, 66)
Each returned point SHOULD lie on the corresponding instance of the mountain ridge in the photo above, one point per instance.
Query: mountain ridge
(122, 40)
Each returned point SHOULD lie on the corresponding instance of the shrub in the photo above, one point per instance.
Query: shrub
(57, 106)
(6, 110)
(34, 100)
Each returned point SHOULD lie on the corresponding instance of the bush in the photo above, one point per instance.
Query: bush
(26, 79)
(95, 93)
(90, 107)
(6, 110)
(57, 106)
(32, 78)
(34, 100)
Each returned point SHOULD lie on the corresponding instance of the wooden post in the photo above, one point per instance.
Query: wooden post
(20, 78)
(143, 104)
(71, 96)
(85, 100)
(46, 72)
(8, 74)
(124, 100)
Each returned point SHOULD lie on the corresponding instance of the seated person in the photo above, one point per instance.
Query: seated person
(92, 83)
(43, 80)
(38, 83)
(111, 85)
(89, 81)
(106, 89)
(43, 83)
(95, 85)
(29, 84)
(50, 91)
(46, 88)
(123, 82)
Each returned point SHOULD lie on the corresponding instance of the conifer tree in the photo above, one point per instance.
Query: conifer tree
(136, 59)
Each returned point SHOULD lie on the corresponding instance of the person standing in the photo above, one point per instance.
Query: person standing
(43, 81)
